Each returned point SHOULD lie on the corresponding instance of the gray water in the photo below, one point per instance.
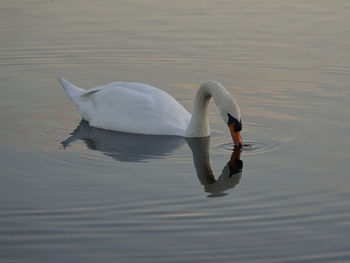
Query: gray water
(73, 193)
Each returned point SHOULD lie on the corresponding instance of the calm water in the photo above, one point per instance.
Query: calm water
(72, 193)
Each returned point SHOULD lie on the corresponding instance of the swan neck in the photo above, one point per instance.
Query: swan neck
(199, 123)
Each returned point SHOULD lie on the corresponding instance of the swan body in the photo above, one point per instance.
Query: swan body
(143, 109)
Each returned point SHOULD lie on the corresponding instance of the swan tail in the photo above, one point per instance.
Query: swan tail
(72, 91)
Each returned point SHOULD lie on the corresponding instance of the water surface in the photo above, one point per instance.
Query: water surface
(73, 193)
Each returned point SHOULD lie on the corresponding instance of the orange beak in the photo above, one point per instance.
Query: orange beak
(236, 136)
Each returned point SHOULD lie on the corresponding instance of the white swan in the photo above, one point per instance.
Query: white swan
(140, 108)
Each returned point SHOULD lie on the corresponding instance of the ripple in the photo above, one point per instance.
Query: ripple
(38, 129)
(270, 139)
(255, 147)
(39, 125)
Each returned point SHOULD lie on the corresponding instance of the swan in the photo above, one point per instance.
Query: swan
(140, 108)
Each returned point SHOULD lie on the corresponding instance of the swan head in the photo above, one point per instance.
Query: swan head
(229, 110)
(235, 127)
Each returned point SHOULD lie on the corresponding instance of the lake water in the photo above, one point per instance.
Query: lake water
(105, 196)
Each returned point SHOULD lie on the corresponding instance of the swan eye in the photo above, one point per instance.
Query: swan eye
(237, 124)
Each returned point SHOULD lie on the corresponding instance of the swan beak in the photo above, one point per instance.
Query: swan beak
(236, 136)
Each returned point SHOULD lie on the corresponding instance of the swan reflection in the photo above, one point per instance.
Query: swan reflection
(127, 147)
(124, 147)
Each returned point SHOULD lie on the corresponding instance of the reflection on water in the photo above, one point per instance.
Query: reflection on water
(230, 174)
(127, 147)
(124, 147)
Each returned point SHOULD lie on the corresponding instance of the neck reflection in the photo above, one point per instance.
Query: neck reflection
(230, 175)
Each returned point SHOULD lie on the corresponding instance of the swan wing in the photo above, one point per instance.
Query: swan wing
(134, 108)
(90, 91)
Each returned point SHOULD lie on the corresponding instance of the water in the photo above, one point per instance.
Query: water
(72, 193)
